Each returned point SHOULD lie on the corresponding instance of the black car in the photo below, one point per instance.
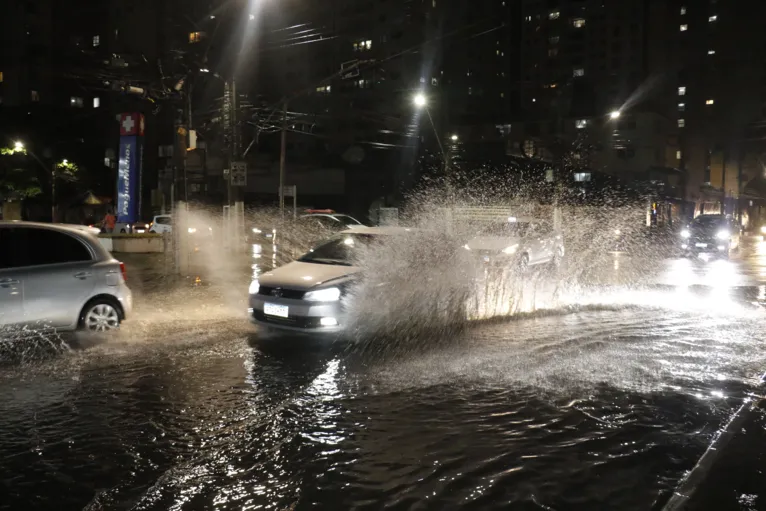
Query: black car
(714, 235)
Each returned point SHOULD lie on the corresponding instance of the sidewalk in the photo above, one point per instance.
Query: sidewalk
(737, 478)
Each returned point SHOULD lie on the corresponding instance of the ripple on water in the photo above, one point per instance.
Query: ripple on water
(609, 414)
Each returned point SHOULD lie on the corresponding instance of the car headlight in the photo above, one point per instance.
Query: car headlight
(685, 233)
(723, 235)
(466, 247)
(510, 250)
(255, 286)
(763, 229)
(331, 294)
(192, 230)
(256, 230)
(617, 232)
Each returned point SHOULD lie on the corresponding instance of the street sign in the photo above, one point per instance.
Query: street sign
(238, 173)
(288, 191)
(349, 69)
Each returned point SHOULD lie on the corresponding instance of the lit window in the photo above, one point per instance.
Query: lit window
(582, 177)
(470, 91)
(1, 77)
(712, 18)
(554, 15)
(363, 45)
(578, 72)
(678, 155)
(75, 101)
(528, 18)
(497, 52)
(96, 102)
(683, 10)
(435, 81)
(682, 91)
(578, 22)
(684, 28)
(681, 123)
(34, 96)
(710, 102)
(502, 94)
(324, 89)
(363, 84)
(96, 40)
(195, 37)
(581, 123)
(554, 39)
(681, 107)
(534, 100)
(552, 52)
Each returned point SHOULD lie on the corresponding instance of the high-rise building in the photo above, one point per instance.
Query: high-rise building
(720, 92)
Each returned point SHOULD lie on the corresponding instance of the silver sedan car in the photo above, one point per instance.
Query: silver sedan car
(55, 276)
(521, 242)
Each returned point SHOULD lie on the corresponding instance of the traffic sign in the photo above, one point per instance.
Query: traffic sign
(288, 191)
(238, 173)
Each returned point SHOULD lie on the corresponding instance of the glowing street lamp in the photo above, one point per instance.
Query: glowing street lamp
(18, 146)
(615, 114)
(419, 100)
(454, 138)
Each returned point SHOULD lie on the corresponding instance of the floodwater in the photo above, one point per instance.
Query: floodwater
(604, 400)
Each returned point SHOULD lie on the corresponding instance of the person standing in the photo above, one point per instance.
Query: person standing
(108, 223)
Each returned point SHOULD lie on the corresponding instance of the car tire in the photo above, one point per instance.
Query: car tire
(523, 263)
(558, 256)
(100, 315)
(123, 231)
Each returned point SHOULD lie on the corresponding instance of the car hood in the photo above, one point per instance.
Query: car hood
(304, 276)
(492, 243)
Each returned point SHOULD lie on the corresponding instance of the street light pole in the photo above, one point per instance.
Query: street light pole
(282, 151)
(53, 193)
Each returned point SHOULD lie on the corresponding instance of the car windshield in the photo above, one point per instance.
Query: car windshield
(709, 222)
(512, 229)
(339, 250)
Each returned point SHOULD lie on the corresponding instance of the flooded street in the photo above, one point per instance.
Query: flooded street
(604, 401)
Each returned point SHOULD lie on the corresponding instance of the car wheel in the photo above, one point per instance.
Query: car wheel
(100, 315)
(523, 262)
(123, 231)
(558, 255)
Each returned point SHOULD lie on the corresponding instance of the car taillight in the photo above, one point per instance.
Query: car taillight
(124, 272)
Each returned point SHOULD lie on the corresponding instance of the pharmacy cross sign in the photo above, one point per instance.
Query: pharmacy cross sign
(127, 124)
(131, 124)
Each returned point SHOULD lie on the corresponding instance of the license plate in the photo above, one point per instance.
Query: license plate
(701, 245)
(272, 309)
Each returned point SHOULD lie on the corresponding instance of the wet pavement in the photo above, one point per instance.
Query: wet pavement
(604, 399)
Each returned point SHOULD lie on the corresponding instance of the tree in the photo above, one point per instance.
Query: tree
(16, 180)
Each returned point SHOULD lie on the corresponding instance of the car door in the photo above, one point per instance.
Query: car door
(534, 244)
(11, 279)
(60, 277)
(546, 238)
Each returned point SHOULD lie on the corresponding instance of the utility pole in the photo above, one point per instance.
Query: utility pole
(53, 193)
(282, 151)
